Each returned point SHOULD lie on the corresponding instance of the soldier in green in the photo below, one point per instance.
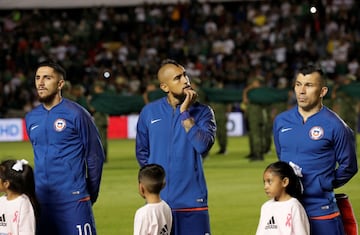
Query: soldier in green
(258, 121)
(345, 105)
(220, 110)
(78, 92)
(279, 107)
(101, 119)
(67, 91)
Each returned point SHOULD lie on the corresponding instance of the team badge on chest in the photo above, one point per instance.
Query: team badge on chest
(316, 132)
(59, 124)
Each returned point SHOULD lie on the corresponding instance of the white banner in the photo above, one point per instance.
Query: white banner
(11, 129)
(132, 122)
(234, 124)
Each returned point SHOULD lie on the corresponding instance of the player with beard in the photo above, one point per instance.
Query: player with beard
(174, 132)
(68, 157)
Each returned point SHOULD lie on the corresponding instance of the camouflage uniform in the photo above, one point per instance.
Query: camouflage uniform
(102, 122)
(258, 124)
(220, 110)
(259, 130)
(345, 105)
(101, 119)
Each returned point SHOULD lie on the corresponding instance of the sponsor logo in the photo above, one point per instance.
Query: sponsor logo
(59, 124)
(34, 127)
(2, 220)
(271, 224)
(327, 207)
(155, 120)
(316, 132)
(285, 129)
(165, 230)
(11, 129)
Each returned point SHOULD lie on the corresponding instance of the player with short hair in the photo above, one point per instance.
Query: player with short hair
(318, 141)
(68, 157)
(175, 132)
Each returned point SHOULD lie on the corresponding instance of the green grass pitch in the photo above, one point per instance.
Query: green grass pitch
(234, 184)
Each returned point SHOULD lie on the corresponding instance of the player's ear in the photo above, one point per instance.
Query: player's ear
(164, 87)
(61, 84)
(324, 91)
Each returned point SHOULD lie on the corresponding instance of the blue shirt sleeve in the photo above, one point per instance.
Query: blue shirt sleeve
(345, 151)
(142, 141)
(202, 134)
(94, 154)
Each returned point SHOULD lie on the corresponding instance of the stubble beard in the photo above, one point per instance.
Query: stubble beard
(48, 98)
(180, 97)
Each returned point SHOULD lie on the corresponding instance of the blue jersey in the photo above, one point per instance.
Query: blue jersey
(162, 139)
(68, 155)
(324, 147)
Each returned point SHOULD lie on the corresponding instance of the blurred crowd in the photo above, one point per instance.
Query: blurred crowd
(224, 43)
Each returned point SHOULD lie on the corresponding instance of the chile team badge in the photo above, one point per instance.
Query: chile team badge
(316, 132)
(59, 124)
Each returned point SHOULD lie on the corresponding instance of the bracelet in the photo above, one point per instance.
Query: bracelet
(184, 115)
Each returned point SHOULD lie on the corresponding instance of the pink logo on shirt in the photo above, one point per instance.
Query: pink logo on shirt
(16, 214)
(288, 220)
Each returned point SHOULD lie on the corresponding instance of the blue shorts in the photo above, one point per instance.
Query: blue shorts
(332, 226)
(191, 222)
(70, 218)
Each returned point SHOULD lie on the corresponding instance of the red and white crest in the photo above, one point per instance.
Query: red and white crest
(59, 124)
(316, 132)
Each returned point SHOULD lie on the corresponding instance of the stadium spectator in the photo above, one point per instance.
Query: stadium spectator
(132, 40)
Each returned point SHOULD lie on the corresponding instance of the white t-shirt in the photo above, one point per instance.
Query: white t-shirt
(16, 216)
(153, 219)
(283, 218)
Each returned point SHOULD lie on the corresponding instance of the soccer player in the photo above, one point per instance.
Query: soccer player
(315, 139)
(174, 132)
(68, 157)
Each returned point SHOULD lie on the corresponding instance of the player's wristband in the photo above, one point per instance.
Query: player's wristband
(184, 115)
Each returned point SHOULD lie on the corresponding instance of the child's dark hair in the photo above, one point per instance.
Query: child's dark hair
(20, 175)
(153, 177)
(284, 170)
